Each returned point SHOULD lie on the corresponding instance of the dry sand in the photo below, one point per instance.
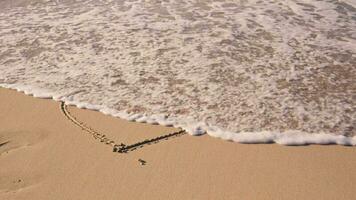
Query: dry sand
(45, 156)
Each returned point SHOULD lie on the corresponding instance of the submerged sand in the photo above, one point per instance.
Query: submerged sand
(221, 67)
(45, 156)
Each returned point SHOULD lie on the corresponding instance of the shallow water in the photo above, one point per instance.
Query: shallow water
(226, 67)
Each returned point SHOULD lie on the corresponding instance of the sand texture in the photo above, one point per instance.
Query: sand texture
(43, 155)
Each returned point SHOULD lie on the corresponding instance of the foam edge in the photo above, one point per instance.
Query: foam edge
(288, 138)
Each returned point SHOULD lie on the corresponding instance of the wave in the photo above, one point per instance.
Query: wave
(289, 137)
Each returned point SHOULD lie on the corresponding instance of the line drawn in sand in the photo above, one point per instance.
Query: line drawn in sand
(118, 147)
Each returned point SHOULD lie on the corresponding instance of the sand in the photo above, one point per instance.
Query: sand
(43, 155)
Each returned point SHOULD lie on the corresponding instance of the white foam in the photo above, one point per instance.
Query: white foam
(290, 137)
(349, 2)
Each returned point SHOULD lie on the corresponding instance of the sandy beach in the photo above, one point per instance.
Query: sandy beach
(277, 73)
(43, 155)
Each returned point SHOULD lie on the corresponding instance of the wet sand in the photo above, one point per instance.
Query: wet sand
(43, 155)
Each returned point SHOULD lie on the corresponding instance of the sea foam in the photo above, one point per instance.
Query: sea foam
(290, 137)
(245, 71)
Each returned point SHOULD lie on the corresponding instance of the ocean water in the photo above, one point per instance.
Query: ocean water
(242, 70)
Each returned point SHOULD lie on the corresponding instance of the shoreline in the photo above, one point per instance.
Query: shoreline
(43, 154)
(288, 138)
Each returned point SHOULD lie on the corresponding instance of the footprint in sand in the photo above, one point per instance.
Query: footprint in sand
(14, 140)
(13, 177)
